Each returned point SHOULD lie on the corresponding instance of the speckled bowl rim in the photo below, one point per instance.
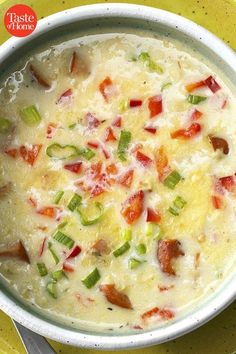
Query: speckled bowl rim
(222, 298)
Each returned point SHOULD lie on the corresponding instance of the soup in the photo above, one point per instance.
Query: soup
(117, 181)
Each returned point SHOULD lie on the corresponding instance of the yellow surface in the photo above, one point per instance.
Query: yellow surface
(218, 336)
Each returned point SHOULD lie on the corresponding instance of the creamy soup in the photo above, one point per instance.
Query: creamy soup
(117, 181)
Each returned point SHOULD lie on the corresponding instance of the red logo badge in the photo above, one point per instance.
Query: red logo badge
(20, 20)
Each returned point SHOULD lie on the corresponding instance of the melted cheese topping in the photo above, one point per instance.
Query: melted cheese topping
(206, 234)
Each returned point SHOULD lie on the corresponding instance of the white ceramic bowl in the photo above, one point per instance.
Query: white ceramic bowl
(118, 16)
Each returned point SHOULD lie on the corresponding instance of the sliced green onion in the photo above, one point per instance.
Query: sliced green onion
(88, 154)
(58, 197)
(57, 275)
(173, 179)
(74, 202)
(173, 211)
(141, 249)
(62, 224)
(72, 126)
(134, 263)
(91, 279)
(5, 126)
(125, 138)
(179, 202)
(53, 253)
(127, 234)
(52, 289)
(63, 239)
(123, 105)
(165, 86)
(153, 230)
(30, 115)
(196, 99)
(42, 269)
(122, 249)
(61, 152)
(152, 65)
(86, 222)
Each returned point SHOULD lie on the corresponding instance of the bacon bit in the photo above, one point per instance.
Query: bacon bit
(32, 202)
(16, 250)
(196, 115)
(166, 251)
(216, 201)
(162, 165)
(188, 133)
(50, 212)
(133, 206)
(150, 130)
(85, 301)
(126, 178)
(51, 129)
(93, 144)
(153, 216)
(12, 152)
(109, 135)
(197, 260)
(74, 167)
(74, 64)
(194, 86)
(117, 122)
(65, 97)
(42, 228)
(115, 297)
(42, 247)
(224, 104)
(67, 267)
(135, 103)
(155, 105)
(106, 88)
(150, 313)
(227, 182)
(92, 121)
(137, 327)
(165, 288)
(97, 190)
(75, 252)
(95, 170)
(100, 248)
(106, 153)
(219, 144)
(29, 155)
(211, 83)
(4, 190)
(143, 159)
(112, 169)
(166, 314)
(38, 77)
(136, 147)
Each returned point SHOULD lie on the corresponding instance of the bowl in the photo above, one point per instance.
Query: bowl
(104, 17)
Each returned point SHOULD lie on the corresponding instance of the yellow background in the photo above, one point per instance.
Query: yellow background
(218, 336)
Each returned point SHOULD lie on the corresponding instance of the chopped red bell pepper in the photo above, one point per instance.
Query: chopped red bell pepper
(42, 247)
(74, 167)
(187, 133)
(94, 172)
(227, 182)
(50, 212)
(153, 216)
(135, 103)
(92, 121)
(93, 144)
(65, 97)
(151, 130)
(143, 159)
(106, 88)
(117, 122)
(51, 129)
(75, 252)
(133, 207)
(212, 84)
(97, 190)
(109, 135)
(106, 153)
(30, 155)
(155, 105)
(126, 179)
(196, 115)
(12, 152)
(216, 201)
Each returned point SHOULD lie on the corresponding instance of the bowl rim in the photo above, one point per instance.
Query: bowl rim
(225, 296)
